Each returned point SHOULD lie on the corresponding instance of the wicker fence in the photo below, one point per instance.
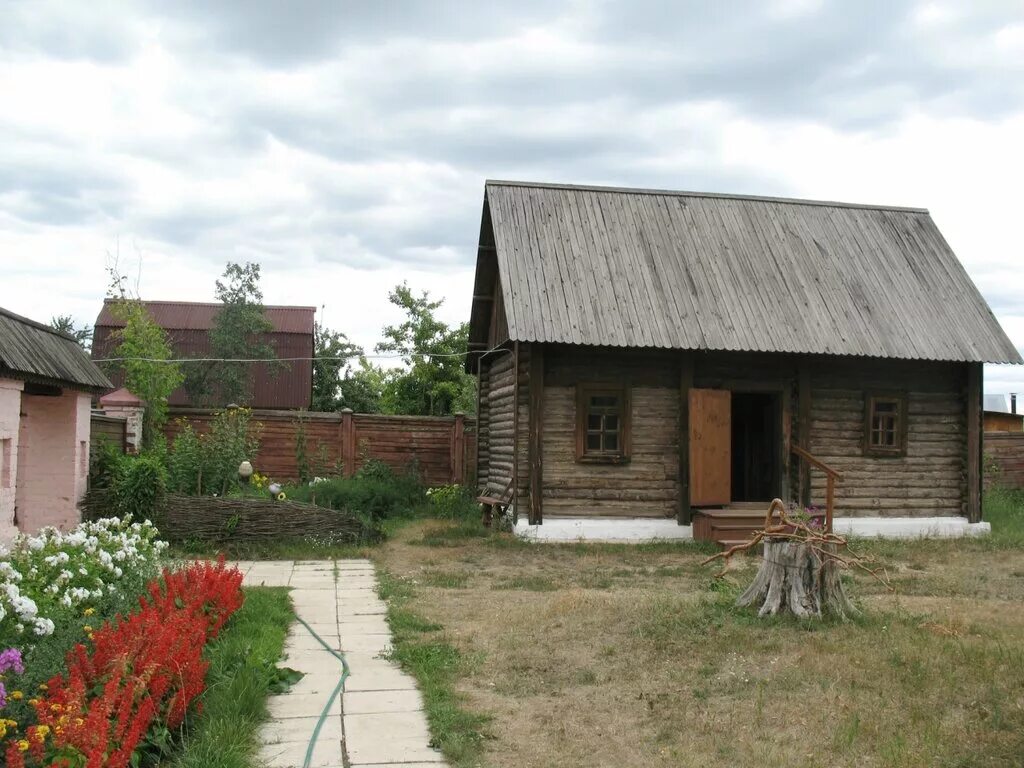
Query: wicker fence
(1004, 459)
(443, 449)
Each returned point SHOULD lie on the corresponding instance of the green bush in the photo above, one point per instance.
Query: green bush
(376, 495)
(452, 502)
(208, 463)
(138, 487)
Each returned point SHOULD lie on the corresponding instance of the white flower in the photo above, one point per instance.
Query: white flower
(44, 627)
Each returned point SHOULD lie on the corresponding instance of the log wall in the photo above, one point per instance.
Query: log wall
(930, 478)
(647, 486)
(437, 446)
(497, 414)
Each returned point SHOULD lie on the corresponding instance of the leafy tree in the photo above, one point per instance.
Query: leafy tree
(147, 363)
(235, 337)
(435, 383)
(332, 351)
(66, 324)
(363, 389)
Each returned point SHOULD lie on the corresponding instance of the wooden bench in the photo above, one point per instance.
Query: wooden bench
(493, 501)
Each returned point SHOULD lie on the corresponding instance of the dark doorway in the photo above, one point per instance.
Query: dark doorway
(755, 446)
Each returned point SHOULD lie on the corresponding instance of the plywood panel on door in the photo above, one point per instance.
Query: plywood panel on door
(710, 447)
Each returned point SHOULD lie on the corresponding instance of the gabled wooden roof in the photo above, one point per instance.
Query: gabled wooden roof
(684, 270)
(31, 351)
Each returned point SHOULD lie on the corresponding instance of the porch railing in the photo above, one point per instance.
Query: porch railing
(831, 478)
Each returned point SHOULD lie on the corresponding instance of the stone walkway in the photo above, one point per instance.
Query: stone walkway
(379, 720)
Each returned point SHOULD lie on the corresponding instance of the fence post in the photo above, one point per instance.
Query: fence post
(458, 473)
(348, 443)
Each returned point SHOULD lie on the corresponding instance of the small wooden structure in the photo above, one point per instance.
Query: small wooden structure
(670, 354)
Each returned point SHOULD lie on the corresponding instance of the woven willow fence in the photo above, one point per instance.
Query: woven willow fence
(221, 519)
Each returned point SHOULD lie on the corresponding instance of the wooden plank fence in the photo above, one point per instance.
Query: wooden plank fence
(112, 429)
(442, 448)
(1004, 459)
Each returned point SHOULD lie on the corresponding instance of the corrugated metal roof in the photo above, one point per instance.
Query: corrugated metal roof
(684, 270)
(199, 316)
(36, 352)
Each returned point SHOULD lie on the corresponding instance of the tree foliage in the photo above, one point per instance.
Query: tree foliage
(234, 338)
(436, 383)
(143, 346)
(332, 352)
(66, 324)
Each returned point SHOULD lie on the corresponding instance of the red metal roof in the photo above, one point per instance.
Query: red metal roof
(198, 316)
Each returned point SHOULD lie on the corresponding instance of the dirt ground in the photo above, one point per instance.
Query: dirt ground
(634, 656)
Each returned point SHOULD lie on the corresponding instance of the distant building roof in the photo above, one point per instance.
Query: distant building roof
(31, 351)
(684, 270)
(199, 316)
(996, 403)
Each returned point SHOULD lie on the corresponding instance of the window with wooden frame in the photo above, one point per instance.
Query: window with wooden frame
(602, 424)
(885, 423)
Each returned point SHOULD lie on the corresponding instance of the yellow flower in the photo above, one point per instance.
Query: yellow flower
(88, 611)
(3, 730)
(34, 702)
(17, 695)
(90, 635)
(87, 629)
(79, 722)
(44, 687)
(55, 707)
(42, 730)
(23, 746)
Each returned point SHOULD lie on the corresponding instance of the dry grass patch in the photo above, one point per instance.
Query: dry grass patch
(634, 656)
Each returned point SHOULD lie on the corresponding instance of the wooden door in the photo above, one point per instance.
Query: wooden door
(710, 447)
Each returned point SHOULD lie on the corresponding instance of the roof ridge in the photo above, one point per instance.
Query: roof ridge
(109, 300)
(37, 324)
(712, 195)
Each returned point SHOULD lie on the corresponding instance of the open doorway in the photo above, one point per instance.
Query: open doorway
(755, 446)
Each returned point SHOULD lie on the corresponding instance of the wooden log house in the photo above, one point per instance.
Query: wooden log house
(673, 354)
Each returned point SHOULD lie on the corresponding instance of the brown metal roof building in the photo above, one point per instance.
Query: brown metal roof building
(646, 353)
(188, 325)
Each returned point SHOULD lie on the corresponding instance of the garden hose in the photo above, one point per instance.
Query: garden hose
(334, 694)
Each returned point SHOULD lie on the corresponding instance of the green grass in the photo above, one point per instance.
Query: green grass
(242, 668)
(423, 651)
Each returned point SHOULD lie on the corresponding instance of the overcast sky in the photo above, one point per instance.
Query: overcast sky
(344, 145)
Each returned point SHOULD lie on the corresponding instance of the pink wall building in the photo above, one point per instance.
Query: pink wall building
(46, 386)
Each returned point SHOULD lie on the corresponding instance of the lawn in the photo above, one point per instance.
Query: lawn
(615, 655)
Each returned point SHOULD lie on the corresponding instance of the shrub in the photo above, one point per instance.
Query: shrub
(377, 495)
(452, 502)
(138, 487)
(208, 463)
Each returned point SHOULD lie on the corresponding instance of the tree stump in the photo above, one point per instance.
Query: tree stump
(794, 578)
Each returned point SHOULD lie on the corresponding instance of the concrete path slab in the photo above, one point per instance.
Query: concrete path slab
(378, 721)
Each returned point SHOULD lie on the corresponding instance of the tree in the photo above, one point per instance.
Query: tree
(66, 324)
(234, 338)
(331, 352)
(436, 383)
(364, 389)
(146, 360)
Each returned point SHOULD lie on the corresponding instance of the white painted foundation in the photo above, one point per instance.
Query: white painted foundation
(633, 530)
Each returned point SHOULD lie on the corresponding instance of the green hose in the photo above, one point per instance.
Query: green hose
(334, 694)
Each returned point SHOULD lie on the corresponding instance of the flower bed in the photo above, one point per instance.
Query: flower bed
(132, 683)
(51, 579)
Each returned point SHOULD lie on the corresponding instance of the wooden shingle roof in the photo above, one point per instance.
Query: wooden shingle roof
(681, 270)
(31, 351)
